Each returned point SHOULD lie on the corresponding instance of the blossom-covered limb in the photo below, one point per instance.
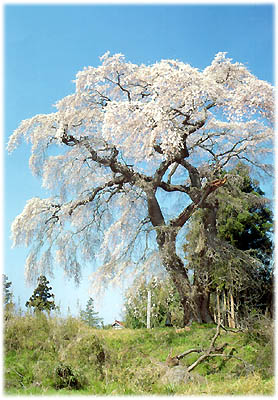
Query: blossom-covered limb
(118, 182)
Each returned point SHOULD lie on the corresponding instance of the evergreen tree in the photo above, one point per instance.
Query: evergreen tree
(90, 316)
(40, 299)
(250, 229)
(243, 221)
(7, 293)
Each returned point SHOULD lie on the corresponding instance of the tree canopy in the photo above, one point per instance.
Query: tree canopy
(130, 156)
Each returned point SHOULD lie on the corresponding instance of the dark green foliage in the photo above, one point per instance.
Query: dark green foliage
(251, 227)
(66, 377)
(40, 299)
(244, 221)
(90, 316)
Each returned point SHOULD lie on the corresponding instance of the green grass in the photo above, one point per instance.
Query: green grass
(45, 356)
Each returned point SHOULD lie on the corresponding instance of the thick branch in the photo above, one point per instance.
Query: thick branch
(161, 171)
(184, 215)
(194, 174)
(154, 211)
(189, 210)
(174, 188)
(171, 173)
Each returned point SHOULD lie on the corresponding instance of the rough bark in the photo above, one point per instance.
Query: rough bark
(194, 298)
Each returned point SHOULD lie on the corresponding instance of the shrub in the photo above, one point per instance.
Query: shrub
(86, 350)
(65, 376)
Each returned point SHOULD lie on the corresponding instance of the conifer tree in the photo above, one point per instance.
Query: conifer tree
(90, 316)
(40, 299)
(7, 293)
(243, 220)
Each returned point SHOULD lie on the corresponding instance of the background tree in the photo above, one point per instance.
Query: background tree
(40, 299)
(9, 306)
(7, 293)
(90, 316)
(244, 220)
(165, 302)
(139, 151)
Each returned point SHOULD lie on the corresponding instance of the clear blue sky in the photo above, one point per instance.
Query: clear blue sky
(46, 45)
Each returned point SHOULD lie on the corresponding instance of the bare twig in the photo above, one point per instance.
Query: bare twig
(180, 356)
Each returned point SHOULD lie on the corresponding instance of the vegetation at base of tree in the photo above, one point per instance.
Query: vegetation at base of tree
(47, 355)
(90, 316)
(166, 307)
(40, 299)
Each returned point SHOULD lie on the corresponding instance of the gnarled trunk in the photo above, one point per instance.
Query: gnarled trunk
(194, 298)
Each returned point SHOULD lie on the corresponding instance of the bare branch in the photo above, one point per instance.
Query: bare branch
(210, 351)
(180, 356)
(194, 174)
(174, 188)
(171, 173)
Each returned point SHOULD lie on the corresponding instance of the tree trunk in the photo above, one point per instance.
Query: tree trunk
(224, 308)
(202, 300)
(218, 306)
(232, 306)
(194, 298)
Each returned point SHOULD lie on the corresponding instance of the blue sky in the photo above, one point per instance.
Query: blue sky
(46, 45)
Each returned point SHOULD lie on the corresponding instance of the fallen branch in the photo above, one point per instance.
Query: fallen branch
(180, 356)
(211, 351)
(230, 330)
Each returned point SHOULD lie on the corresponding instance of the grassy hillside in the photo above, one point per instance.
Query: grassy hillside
(54, 356)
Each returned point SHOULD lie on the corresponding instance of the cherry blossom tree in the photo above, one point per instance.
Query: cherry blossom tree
(130, 156)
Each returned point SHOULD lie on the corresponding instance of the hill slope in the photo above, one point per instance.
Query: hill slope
(49, 355)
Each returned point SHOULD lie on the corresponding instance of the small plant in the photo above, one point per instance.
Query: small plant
(66, 377)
